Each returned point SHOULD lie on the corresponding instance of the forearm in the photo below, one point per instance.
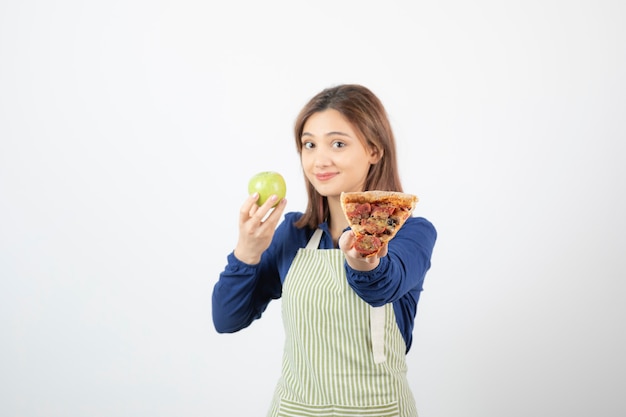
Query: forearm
(376, 287)
(234, 299)
(402, 270)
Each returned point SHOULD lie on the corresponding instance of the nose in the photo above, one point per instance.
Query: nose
(322, 158)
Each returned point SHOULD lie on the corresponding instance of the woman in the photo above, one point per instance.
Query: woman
(348, 319)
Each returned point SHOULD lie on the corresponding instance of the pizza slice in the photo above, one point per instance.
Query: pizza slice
(376, 216)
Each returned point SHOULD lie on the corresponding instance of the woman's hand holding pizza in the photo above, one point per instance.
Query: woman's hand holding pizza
(256, 227)
(374, 218)
(355, 259)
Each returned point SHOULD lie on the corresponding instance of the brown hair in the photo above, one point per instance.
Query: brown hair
(367, 115)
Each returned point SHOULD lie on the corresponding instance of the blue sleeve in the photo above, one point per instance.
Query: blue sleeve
(399, 277)
(244, 291)
(241, 295)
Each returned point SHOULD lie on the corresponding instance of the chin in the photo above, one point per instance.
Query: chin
(326, 191)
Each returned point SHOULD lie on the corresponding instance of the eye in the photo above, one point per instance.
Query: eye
(308, 145)
(338, 144)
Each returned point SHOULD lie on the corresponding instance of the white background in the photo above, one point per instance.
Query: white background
(128, 132)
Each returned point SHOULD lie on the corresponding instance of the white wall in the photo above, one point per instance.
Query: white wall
(129, 129)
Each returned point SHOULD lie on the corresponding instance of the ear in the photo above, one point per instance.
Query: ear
(375, 155)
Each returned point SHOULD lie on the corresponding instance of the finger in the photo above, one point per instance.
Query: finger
(369, 259)
(373, 258)
(275, 215)
(346, 240)
(261, 212)
(383, 250)
(248, 207)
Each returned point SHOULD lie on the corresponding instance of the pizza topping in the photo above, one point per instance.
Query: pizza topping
(376, 216)
(367, 244)
(358, 211)
(375, 219)
(383, 210)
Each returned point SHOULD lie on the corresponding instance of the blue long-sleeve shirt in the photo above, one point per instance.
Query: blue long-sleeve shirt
(244, 291)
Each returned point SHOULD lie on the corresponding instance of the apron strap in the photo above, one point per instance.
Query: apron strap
(314, 242)
(377, 330)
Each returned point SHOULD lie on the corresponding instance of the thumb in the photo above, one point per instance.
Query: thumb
(346, 240)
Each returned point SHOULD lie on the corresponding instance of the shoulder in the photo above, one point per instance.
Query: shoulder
(287, 230)
(292, 216)
(289, 220)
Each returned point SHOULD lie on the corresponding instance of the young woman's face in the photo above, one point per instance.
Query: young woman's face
(333, 157)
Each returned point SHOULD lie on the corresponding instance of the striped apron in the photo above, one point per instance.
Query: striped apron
(342, 357)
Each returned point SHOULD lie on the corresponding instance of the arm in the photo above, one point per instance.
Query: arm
(243, 292)
(250, 280)
(402, 269)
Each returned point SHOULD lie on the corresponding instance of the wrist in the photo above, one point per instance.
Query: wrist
(363, 264)
(248, 259)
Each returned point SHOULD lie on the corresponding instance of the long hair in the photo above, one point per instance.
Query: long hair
(367, 115)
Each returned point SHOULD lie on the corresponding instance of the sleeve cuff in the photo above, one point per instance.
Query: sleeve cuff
(237, 266)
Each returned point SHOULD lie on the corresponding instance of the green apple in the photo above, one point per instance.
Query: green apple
(267, 183)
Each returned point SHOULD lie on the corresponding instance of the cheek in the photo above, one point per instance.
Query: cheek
(305, 161)
(361, 167)
(307, 170)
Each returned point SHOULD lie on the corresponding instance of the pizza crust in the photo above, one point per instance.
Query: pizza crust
(376, 216)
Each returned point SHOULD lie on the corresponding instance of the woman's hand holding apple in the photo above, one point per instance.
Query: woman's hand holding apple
(257, 222)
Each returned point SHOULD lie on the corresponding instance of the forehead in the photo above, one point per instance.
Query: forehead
(327, 122)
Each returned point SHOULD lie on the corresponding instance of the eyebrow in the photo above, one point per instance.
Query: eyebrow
(328, 134)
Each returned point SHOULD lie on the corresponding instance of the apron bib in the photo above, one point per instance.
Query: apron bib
(342, 357)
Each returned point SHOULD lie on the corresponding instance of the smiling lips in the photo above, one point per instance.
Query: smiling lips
(325, 176)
